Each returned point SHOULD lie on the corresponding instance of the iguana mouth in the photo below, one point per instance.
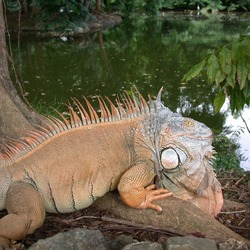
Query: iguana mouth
(201, 137)
(184, 135)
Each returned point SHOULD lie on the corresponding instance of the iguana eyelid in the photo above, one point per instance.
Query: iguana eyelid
(172, 158)
(189, 123)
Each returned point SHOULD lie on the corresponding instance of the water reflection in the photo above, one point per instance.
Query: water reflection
(146, 52)
(240, 124)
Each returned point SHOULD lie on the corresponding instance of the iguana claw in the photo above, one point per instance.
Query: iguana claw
(11, 247)
(152, 195)
(7, 244)
(4, 243)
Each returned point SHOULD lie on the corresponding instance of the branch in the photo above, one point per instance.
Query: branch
(245, 123)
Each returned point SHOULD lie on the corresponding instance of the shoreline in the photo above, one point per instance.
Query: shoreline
(27, 25)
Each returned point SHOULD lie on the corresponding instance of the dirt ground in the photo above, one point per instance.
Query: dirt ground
(236, 188)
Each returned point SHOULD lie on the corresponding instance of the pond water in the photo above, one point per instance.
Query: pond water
(147, 52)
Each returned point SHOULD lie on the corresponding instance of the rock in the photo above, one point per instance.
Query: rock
(233, 244)
(78, 239)
(144, 246)
(75, 239)
(190, 243)
(121, 241)
(82, 239)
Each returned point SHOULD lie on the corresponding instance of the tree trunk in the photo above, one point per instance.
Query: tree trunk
(87, 3)
(25, 6)
(15, 116)
(178, 217)
(98, 5)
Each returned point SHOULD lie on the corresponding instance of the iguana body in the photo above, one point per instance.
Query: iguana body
(65, 166)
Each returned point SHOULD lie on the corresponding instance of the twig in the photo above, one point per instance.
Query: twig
(233, 212)
(129, 229)
(140, 226)
(237, 182)
(245, 122)
(227, 178)
(131, 225)
(85, 217)
(230, 189)
(241, 221)
(239, 228)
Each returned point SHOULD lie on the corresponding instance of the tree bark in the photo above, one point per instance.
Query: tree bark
(178, 216)
(25, 6)
(15, 115)
(87, 3)
(98, 5)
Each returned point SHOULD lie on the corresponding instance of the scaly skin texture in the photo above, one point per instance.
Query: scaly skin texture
(67, 165)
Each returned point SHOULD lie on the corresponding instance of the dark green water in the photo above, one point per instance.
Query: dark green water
(148, 52)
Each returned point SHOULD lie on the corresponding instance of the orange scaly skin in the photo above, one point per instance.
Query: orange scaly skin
(66, 165)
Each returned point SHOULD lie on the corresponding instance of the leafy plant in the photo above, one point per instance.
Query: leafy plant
(227, 157)
(227, 69)
(211, 5)
(48, 109)
(12, 5)
(61, 14)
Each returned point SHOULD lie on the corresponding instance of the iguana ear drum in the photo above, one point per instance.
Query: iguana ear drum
(172, 158)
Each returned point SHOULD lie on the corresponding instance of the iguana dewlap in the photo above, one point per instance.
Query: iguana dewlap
(65, 166)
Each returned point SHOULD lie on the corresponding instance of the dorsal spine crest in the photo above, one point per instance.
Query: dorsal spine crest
(127, 107)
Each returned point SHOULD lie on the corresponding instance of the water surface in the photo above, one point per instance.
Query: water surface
(148, 52)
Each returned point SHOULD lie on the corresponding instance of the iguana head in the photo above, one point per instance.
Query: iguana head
(185, 157)
(182, 149)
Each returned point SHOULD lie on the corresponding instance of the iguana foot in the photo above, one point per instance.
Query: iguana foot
(18, 246)
(26, 213)
(152, 195)
(6, 244)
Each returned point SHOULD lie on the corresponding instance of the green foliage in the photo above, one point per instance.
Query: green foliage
(12, 5)
(219, 101)
(228, 69)
(128, 7)
(48, 109)
(75, 8)
(227, 156)
(61, 14)
(209, 5)
(196, 71)
(152, 7)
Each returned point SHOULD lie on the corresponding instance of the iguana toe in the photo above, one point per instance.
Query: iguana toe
(11, 246)
(5, 244)
(152, 195)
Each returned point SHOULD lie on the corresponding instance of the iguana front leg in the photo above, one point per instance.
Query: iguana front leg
(26, 213)
(135, 190)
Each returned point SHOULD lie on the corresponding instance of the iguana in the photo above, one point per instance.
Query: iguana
(134, 146)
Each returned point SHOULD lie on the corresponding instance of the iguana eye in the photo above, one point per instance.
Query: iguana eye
(188, 123)
(172, 158)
